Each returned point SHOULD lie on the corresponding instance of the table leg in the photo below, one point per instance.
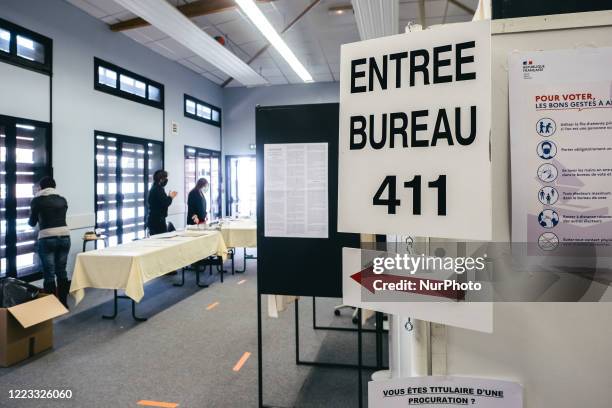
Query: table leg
(182, 279)
(138, 319)
(114, 315)
(233, 254)
(114, 306)
(201, 285)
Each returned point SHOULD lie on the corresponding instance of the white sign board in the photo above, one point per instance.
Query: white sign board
(414, 134)
(468, 315)
(561, 145)
(435, 392)
(295, 190)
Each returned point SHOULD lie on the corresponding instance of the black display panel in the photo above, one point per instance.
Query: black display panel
(300, 266)
(526, 8)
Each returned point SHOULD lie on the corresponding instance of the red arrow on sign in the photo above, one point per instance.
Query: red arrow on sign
(366, 278)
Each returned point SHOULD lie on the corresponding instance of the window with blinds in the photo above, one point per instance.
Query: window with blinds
(124, 175)
(25, 158)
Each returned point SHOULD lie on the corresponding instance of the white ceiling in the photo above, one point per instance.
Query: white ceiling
(315, 39)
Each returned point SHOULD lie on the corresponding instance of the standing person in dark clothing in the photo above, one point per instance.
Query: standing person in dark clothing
(158, 203)
(196, 203)
(48, 210)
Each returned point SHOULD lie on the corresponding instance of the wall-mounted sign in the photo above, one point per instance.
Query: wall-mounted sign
(435, 392)
(561, 145)
(414, 134)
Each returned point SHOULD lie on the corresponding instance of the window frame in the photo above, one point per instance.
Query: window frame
(11, 182)
(11, 56)
(199, 118)
(211, 153)
(119, 206)
(98, 62)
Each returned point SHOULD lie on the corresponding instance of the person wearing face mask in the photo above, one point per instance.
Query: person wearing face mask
(196, 203)
(158, 203)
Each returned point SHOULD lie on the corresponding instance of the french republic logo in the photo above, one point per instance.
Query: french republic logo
(529, 68)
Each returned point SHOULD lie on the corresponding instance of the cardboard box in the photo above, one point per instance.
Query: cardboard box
(27, 329)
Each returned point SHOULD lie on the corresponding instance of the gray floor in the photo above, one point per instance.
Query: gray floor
(184, 354)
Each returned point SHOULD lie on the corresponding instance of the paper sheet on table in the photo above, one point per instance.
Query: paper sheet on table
(296, 190)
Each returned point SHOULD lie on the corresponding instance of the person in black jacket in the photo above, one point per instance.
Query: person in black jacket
(48, 210)
(196, 203)
(158, 203)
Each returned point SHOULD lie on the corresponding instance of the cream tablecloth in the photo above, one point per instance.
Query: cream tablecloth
(239, 233)
(129, 266)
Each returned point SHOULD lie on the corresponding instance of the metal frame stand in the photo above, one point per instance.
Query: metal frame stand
(359, 366)
(350, 329)
(114, 315)
(378, 331)
(244, 259)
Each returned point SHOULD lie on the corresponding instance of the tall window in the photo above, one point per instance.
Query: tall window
(124, 175)
(204, 163)
(241, 194)
(25, 158)
(25, 48)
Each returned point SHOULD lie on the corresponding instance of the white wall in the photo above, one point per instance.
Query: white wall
(560, 352)
(239, 109)
(32, 88)
(78, 109)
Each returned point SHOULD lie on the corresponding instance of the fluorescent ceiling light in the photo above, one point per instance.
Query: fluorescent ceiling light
(376, 18)
(173, 23)
(261, 22)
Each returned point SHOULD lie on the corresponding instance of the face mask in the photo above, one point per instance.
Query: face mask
(163, 183)
(205, 189)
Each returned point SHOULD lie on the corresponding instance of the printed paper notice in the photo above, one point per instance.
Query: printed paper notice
(295, 190)
(561, 138)
(444, 392)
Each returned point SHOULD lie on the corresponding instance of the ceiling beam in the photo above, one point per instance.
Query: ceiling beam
(189, 10)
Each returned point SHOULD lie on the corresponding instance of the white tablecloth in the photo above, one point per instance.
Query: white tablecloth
(129, 266)
(240, 233)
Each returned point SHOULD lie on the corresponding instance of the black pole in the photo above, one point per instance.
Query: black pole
(297, 332)
(359, 359)
(379, 340)
(259, 353)
(314, 313)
